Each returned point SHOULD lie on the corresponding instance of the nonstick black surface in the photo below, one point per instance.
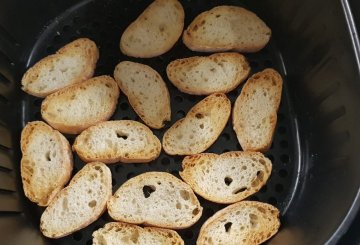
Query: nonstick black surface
(104, 23)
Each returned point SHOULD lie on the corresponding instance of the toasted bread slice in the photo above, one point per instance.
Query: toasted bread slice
(155, 31)
(77, 107)
(113, 141)
(226, 28)
(245, 222)
(226, 178)
(115, 233)
(73, 63)
(146, 91)
(46, 164)
(204, 75)
(255, 110)
(80, 203)
(157, 199)
(200, 128)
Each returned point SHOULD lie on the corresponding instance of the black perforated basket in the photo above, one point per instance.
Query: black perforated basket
(316, 165)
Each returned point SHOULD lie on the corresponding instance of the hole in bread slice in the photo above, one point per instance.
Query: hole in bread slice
(228, 180)
(122, 135)
(239, 190)
(228, 226)
(148, 189)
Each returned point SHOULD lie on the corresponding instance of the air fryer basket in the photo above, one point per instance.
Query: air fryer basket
(315, 178)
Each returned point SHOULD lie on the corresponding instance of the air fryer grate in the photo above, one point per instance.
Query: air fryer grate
(104, 23)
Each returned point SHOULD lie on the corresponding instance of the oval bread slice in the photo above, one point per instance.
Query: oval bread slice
(155, 31)
(113, 141)
(75, 108)
(255, 110)
(226, 178)
(46, 164)
(245, 222)
(73, 63)
(157, 199)
(200, 128)
(80, 203)
(226, 28)
(115, 233)
(204, 75)
(146, 91)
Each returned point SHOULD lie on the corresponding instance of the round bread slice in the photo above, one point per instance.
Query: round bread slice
(115, 233)
(80, 203)
(146, 91)
(255, 110)
(226, 178)
(204, 75)
(225, 28)
(200, 128)
(113, 141)
(155, 31)
(245, 222)
(46, 163)
(77, 107)
(73, 63)
(157, 199)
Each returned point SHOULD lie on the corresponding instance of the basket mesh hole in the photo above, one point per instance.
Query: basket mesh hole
(124, 106)
(279, 188)
(179, 99)
(225, 136)
(118, 168)
(272, 200)
(284, 158)
(283, 173)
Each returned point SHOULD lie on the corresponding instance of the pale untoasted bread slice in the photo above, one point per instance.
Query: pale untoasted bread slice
(255, 110)
(157, 199)
(226, 28)
(115, 233)
(226, 178)
(155, 31)
(200, 128)
(46, 163)
(77, 107)
(146, 91)
(80, 203)
(245, 222)
(73, 63)
(113, 141)
(203, 75)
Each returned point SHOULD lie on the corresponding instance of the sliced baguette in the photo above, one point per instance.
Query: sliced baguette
(226, 28)
(113, 141)
(46, 163)
(245, 222)
(226, 178)
(204, 75)
(255, 110)
(77, 107)
(200, 128)
(73, 63)
(115, 233)
(157, 199)
(80, 203)
(146, 91)
(155, 31)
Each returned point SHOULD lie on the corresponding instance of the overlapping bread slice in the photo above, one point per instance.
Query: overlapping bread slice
(200, 128)
(115, 233)
(46, 162)
(226, 178)
(73, 63)
(227, 28)
(255, 110)
(157, 199)
(245, 222)
(146, 91)
(113, 141)
(80, 203)
(77, 107)
(155, 31)
(203, 75)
